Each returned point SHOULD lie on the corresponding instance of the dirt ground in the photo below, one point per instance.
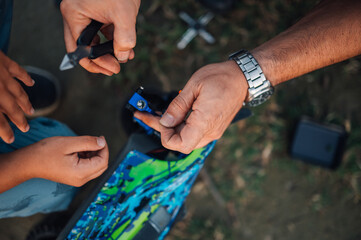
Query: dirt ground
(263, 193)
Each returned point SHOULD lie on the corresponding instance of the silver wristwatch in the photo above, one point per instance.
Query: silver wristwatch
(260, 89)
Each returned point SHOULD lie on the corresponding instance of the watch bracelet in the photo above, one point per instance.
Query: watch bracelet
(252, 71)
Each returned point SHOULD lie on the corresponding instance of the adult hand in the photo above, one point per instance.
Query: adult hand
(14, 102)
(69, 160)
(119, 18)
(213, 96)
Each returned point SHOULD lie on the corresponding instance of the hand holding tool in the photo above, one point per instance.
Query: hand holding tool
(84, 49)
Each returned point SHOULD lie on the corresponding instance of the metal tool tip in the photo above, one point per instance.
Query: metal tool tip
(66, 64)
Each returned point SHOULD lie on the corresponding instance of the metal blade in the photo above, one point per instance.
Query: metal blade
(70, 60)
(66, 63)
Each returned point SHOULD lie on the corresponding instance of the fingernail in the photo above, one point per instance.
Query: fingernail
(11, 140)
(122, 57)
(27, 128)
(33, 81)
(32, 110)
(101, 141)
(167, 120)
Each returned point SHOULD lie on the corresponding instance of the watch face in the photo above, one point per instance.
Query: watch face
(260, 98)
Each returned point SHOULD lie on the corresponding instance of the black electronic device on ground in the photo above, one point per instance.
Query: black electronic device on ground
(318, 144)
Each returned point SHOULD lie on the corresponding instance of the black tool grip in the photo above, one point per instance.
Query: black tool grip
(101, 49)
(87, 35)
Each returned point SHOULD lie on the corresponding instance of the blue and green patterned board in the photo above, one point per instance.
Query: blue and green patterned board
(137, 188)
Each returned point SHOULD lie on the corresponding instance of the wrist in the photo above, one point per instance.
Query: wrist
(13, 171)
(259, 87)
(267, 65)
(238, 78)
(24, 163)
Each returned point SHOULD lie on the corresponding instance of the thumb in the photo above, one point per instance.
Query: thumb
(124, 41)
(85, 143)
(178, 108)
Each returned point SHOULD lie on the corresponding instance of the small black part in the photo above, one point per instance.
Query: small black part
(242, 114)
(127, 121)
(101, 49)
(158, 101)
(121, 198)
(140, 90)
(318, 144)
(130, 107)
(87, 35)
(80, 52)
(142, 204)
(160, 154)
(156, 134)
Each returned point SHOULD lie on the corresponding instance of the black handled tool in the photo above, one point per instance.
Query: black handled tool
(84, 49)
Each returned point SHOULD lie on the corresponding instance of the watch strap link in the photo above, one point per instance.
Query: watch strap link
(252, 71)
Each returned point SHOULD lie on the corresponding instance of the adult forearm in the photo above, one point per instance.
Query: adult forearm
(328, 34)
